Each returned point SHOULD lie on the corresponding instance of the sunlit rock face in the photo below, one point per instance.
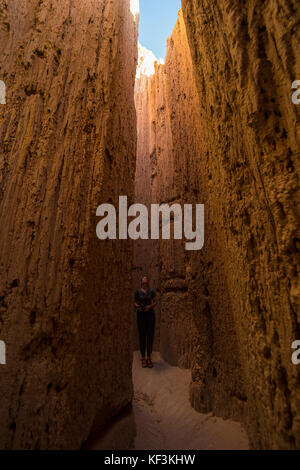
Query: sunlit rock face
(67, 144)
(135, 8)
(146, 62)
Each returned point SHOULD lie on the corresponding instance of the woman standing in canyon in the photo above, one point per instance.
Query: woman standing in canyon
(144, 303)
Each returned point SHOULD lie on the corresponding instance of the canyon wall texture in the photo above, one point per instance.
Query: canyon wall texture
(245, 60)
(195, 323)
(226, 133)
(68, 144)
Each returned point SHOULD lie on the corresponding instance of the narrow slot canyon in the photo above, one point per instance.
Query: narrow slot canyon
(92, 115)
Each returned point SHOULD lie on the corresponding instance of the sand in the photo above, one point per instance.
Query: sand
(165, 419)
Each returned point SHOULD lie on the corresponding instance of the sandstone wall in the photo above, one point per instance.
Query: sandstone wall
(197, 304)
(245, 60)
(195, 323)
(224, 132)
(68, 144)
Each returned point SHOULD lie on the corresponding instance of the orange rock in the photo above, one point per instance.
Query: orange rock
(68, 143)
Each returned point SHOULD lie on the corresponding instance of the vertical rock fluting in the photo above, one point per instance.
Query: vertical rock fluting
(200, 320)
(227, 135)
(245, 60)
(68, 144)
(195, 323)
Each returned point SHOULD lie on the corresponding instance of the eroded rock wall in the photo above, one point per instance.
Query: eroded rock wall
(68, 144)
(195, 323)
(226, 133)
(245, 60)
(197, 303)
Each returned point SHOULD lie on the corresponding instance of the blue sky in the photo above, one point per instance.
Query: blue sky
(157, 20)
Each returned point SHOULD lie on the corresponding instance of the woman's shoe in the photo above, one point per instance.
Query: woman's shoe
(144, 363)
(149, 363)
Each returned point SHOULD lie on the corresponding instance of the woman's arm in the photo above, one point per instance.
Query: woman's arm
(153, 303)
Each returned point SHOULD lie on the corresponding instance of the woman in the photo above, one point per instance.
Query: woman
(146, 320)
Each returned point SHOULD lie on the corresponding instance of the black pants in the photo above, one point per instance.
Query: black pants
(146, 325)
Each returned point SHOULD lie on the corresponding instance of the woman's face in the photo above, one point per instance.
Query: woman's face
(145, 281)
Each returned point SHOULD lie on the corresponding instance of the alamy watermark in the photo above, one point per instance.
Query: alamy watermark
(296, 94)
(138, 229)
(2, 92)
(296, 354)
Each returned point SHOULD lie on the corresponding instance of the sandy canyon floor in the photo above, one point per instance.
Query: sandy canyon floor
(165, 419)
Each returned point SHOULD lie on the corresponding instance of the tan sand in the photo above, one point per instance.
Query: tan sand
(165, 419)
